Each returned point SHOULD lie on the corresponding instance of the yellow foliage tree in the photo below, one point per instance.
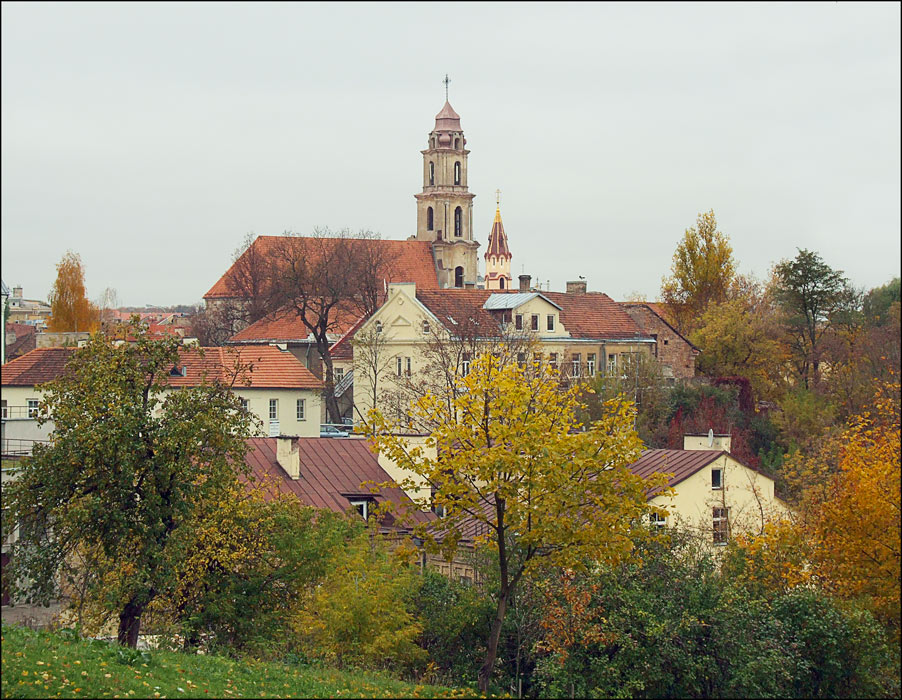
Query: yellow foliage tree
(701, 273)
(70, 309)
(512, 461)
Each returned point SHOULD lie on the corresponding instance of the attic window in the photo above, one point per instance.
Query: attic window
(378, 326)
(363, 505)
(426, 327)
(178, 371)
(717, 479)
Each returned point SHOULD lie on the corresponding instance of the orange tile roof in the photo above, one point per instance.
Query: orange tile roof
(584, 316)
(412, 262)
(288, 327)
(270, 367)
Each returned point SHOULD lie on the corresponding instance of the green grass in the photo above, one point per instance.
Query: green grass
(58, 665)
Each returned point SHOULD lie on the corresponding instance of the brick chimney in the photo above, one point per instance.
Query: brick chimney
(17, 292)
(525, 283)
(288, 456)
(577, 287)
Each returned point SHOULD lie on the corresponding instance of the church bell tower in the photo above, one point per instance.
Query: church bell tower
(445, 206)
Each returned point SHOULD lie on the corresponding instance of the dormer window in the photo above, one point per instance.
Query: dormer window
(178, 371)
(363, 505)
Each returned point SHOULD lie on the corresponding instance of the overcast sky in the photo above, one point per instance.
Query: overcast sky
(150, 138)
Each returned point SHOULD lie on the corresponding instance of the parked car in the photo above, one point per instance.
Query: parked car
(330, 431)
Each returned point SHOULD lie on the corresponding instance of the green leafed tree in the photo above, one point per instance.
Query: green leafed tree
(126, 466)
(508, 458)
(702, 272)
(813, 298)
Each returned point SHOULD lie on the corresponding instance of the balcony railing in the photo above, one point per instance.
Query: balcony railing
(19, 412)
(18, 447)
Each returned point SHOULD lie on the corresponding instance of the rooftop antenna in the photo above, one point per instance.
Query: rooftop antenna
(447, 82)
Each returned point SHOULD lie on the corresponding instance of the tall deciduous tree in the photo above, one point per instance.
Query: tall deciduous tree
(328, 282)
(813, 297)
(70, 309)
(513, 462)
(701, 273)
(125, 468)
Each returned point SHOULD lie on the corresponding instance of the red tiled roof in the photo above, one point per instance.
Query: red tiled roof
(36, 367)
(271, 367)
(681, 463)
(26, 339)
(287, 326)
(342, 349)
(412, 262)
(330, 470)
(586, 316)
(659, 311)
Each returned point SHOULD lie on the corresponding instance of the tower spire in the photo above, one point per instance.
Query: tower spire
(446, 81)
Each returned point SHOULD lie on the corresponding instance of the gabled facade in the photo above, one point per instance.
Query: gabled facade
(674, 352)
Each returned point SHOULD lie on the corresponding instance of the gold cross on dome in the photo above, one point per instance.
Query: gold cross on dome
(498, 198)
(446, 81)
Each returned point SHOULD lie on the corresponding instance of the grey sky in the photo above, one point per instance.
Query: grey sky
(150, 138)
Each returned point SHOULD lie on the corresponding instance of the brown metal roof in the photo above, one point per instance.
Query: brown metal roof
(331, 469)
(681, 463)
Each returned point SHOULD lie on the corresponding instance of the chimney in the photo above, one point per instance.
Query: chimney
(707, 442)
(577, 287)
(469, 285)
(525, 282)
(288, 456)
(17, 292)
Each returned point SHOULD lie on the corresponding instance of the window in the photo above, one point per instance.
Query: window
(590, 364)
(302, 409)
(521, 360)
(274, 409)
(612, 365)
(458, 222)
(549, 322)
(431, 173)
(440, 510)
(339, 374)
(398, 366)
(458, 276)
(465, 364)
(33, 408)
(657, 520)
(378, 326)
(3, 410)
(518, 322)
(721, 525)
(717, 479)
(408, 366)
(457, 172)
(574, 365)
(534, 322)
(429, 219)
(244, 404)
(501, 283)
(552, 360)
(363, 507)
(425, 327)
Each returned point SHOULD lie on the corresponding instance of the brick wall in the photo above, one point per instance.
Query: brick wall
(672, 349)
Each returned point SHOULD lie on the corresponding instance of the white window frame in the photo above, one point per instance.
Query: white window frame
(33, 407)
(657, 520)
(364, 505)
(612, 364)
(425, 327)
(534, 322)
(590, 364)
(407, 371)
(338, 374)
(720, 520)
(398, 366)
(274, 409)
(717, 470)
(302, 409)
(552, 360)
(465, 364)
(549, 322)
(575, 363)
(245, 404)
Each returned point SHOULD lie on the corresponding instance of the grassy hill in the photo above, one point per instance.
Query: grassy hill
(44, 664)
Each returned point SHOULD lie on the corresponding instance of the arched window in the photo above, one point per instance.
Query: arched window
(457, 172)
(501, 282)
(431, 173)
(458, 221)
(456, 144)
(458, 276)
(429, 219)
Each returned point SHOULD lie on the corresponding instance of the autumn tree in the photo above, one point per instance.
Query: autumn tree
(328, 282)
(507, 457)
(813, 298)
(70, 309)
(126, 466)
(701, 273)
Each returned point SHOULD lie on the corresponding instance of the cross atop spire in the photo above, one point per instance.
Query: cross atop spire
(446, 81)
(498, 198)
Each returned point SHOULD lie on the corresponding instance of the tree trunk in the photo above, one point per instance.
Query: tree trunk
(485, 673)
(130, 624)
